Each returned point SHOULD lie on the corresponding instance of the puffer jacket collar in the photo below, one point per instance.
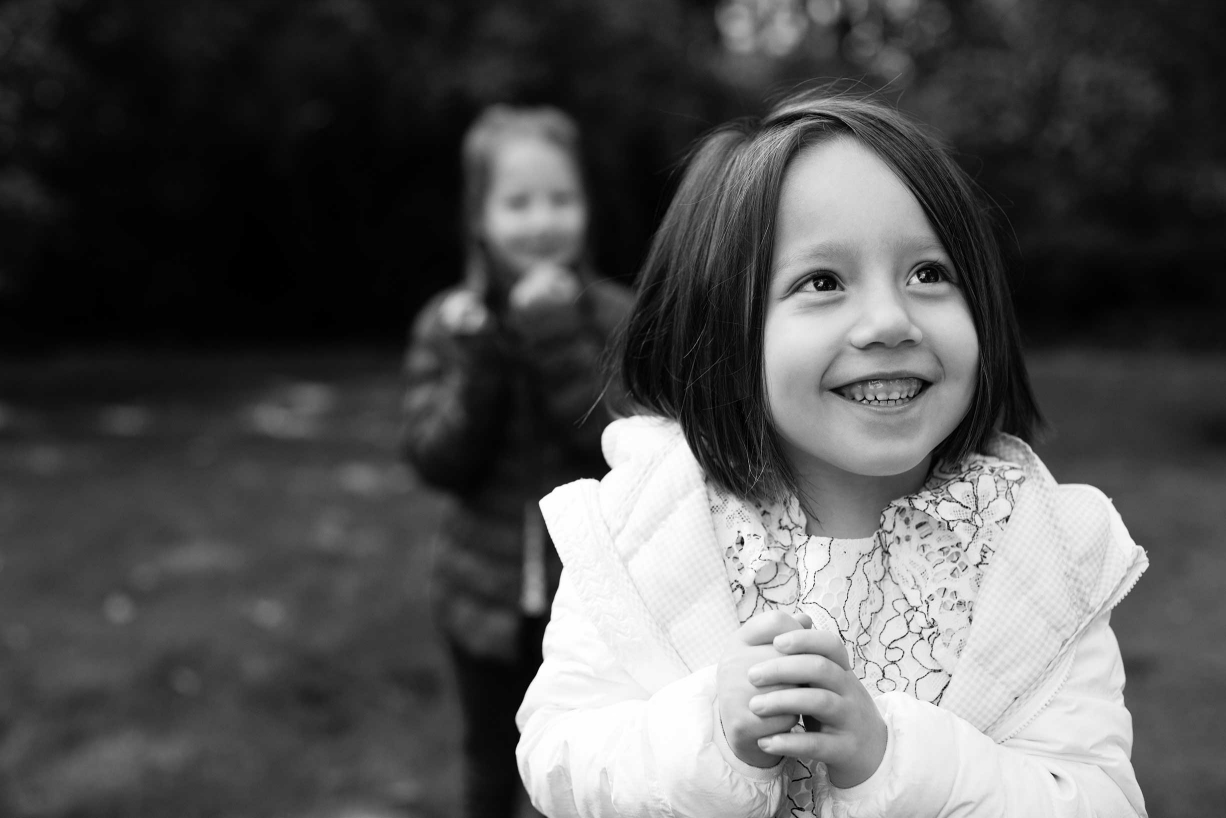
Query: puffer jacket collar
(641, 548)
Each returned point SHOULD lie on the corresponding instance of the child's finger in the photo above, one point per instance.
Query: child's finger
(750, 722)
(757, 654)
(799, 669)
(809, 701)
(762, 628)
(817, 746)
(777, 724)
(823, 643)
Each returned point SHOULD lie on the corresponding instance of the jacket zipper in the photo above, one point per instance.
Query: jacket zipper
(1068, 670)
(1115, 599)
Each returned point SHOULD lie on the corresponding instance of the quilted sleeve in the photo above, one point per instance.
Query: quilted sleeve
(596, 744)
(1070, 761)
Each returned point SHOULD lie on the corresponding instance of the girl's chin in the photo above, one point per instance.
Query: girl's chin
(887, 461)
(893, 470)
(521, 267)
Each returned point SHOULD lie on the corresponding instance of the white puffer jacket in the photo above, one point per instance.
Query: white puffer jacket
(621, 720)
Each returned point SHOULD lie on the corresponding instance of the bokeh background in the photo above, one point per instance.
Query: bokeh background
(217, 218)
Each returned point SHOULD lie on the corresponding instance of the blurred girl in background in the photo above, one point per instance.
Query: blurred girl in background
(504, 402)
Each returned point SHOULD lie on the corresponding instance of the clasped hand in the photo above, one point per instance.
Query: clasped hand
(775, 669)
(545, 286)
(540, 293)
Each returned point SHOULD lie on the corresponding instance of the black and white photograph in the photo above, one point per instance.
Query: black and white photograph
(612, 408)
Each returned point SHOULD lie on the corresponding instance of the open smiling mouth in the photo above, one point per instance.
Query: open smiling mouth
(891, 392)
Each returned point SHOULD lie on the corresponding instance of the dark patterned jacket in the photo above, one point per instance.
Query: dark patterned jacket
(497, 419)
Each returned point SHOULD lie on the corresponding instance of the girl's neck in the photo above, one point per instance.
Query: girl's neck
(848, 506)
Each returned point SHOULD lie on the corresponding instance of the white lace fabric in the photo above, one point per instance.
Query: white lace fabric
(902, 600)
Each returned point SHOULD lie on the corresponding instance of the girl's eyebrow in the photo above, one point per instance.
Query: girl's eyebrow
(836, 248)
(810, 253)
(918, 244)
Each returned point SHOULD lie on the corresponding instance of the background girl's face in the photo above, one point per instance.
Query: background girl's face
(871, 355)
(535, 211)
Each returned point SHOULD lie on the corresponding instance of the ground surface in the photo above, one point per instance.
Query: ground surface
(212, 583)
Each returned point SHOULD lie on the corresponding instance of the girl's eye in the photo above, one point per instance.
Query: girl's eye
(821, 283)
(931, 274)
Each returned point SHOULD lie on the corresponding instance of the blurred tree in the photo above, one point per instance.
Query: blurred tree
(230, 169)
(247, 167)
(33, 73)
(1091, 122)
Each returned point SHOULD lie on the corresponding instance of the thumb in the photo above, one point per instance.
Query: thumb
(764, 627)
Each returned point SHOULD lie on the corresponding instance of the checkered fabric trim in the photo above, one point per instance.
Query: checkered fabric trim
(678, 569)
(645, 534)
(591, 561)
(1065, 557)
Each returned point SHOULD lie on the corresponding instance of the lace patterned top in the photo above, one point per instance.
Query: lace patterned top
(902, 599)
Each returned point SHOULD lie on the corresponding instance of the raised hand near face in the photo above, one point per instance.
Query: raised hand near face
(463, 313)
(543, 286)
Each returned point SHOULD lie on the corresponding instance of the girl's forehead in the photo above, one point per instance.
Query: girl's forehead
(842, 185)
(528, 154)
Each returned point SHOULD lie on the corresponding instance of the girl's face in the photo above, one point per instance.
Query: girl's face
(870, 349)
(535, 212)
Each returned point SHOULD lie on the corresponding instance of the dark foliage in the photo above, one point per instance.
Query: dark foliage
(232, 170)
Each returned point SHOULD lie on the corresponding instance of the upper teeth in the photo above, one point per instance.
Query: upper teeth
(893, 389)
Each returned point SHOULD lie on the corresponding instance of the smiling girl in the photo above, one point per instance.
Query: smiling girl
(826, 575)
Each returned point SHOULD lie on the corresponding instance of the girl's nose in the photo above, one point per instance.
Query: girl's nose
(885, 319)
(543, 215)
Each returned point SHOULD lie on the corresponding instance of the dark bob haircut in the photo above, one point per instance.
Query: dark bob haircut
(692, 347)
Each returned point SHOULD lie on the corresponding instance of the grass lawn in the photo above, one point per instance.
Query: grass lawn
(212, 583)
